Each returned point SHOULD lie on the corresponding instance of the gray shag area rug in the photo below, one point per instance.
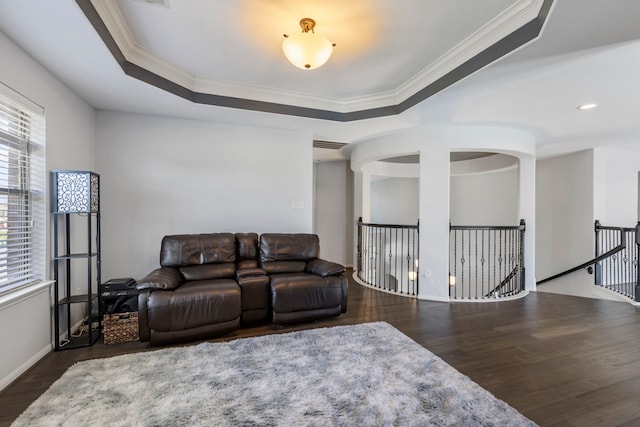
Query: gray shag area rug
(362, 375)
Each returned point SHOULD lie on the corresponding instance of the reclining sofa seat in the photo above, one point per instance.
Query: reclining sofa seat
(194, 294)
(303, 286)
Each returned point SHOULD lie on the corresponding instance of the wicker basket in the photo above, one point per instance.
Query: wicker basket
(120, 327)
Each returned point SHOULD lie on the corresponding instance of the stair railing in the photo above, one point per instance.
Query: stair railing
(588, 265)
(620, 272)
(388, 257)
(486, 261)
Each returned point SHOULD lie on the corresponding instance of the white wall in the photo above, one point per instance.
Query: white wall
(394, 201)
(165, 176)
(564, 217)
(333, 211)
(489, 198)
(616, 186)
(70, 140)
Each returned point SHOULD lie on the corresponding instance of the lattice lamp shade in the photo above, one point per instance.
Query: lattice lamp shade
(76, 192)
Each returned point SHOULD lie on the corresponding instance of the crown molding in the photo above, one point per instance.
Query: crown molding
(510, 20)
(515, 26)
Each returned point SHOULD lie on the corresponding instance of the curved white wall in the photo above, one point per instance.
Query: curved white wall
(489, 198)
(394, 201)
(459, 138)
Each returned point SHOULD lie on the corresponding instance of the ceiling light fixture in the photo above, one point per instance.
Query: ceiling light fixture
(307, 50)
(587, 106)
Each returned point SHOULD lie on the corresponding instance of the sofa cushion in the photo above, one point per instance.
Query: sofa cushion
(255, 292)
(208, 271)
(276, 267)
(247, 245)
(288, 247)
(247, 263)
(195, 249)
(302, 291)
(194, 304)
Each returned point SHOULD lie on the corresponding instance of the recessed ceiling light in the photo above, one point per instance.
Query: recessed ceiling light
(587, 106)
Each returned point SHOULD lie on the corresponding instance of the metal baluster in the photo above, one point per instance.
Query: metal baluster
(597, 280)
(383, 246)
(455, 261)
(625, 271)
(476, 263)
(469, 265)
(416, 256)
(482, 261)
(376, 267)
(371, 257)
(395, 265)
(367, 251)
(460, 286)
(614, 261)
(500, 260)
(513, 283)
(387, 265)
(608, 264)
(380, 258)
(522, 283)
(637, 258)
(514, 263)
(607, 278)
(492, 259)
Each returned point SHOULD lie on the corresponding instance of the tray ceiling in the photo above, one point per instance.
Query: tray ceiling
(389, 55)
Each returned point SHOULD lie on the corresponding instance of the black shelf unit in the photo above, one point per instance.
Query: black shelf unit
(76, 209)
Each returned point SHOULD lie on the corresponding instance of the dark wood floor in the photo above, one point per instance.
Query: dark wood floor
(560, 360)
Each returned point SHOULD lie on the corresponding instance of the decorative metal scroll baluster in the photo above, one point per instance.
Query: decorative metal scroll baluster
(388, 257)
(619, 272)
(486, 261)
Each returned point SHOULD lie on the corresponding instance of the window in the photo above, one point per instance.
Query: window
(22, 205)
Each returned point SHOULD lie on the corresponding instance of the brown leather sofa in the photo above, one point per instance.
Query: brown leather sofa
(212, 284)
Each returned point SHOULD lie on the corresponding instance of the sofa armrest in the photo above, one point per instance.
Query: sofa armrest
(161, 278)
(324, 268)
(244, 272)
(144, 334)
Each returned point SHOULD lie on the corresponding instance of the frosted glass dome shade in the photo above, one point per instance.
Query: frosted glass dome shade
(307, 50)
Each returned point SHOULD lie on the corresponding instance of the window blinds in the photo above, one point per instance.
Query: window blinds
(22, 203)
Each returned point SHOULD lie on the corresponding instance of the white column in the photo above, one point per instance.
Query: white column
(366, 196)
(361, 205)
(434, 222)
(527, 211)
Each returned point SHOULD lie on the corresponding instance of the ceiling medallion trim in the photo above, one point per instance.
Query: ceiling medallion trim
(484, 46)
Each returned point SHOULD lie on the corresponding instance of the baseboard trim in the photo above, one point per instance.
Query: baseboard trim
(435, 298)
(5, 382)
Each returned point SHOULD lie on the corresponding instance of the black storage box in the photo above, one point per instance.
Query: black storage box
(118, 296)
